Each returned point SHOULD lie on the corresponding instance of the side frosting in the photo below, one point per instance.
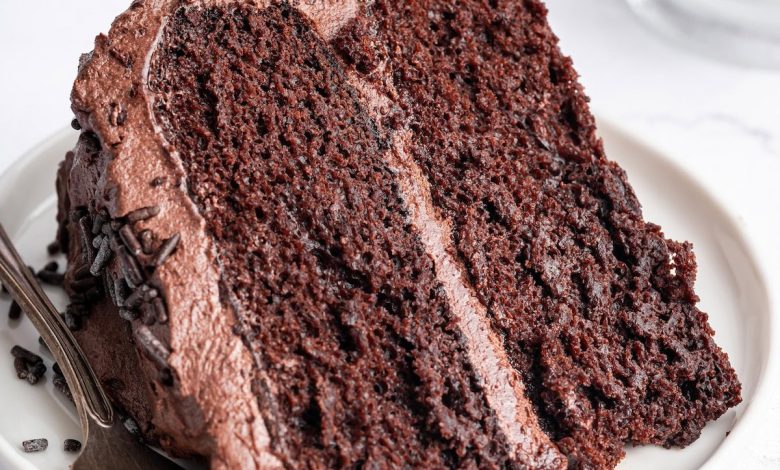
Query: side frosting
(109, 99)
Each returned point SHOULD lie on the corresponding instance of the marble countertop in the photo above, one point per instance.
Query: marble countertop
(719, 121)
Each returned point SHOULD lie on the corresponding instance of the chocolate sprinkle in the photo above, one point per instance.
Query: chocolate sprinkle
(53, 248)
(92, 294)
(86, 239)
(160, 311)
(130, 268)
(139, 296)
(152, 346)
(97, 241)
(108, 229)
(77, 309)
(166, 377)
(102, 257)
(52, 266)
(167, 248)
(143, 214)
(29, 356)
(97, 223)
(120, 292)
(35, 445)
(15, 312)
(128, 314)
(84, 284)
(77, 214)
(52, 278)
(71, 445)
(147, 241)
(83, 273)
(130, 240)
(148, 315)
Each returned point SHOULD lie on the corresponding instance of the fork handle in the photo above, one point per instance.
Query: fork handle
(91, 401)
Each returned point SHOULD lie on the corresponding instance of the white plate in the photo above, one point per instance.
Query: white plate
(731, 287)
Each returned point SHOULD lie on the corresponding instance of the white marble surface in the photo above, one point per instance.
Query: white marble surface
(721, 122)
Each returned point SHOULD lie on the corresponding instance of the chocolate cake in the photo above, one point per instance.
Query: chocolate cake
(341, 234)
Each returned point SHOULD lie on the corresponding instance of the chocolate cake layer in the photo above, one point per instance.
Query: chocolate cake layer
(360, 358)
(347, 234)
(597, 308)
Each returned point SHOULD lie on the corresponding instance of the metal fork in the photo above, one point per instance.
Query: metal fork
(107, 444)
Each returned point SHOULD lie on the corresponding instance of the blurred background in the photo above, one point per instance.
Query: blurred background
(697, 79)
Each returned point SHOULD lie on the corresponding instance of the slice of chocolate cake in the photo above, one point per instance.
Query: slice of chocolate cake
(337, 234)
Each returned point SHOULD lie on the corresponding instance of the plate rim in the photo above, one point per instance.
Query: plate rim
(749, 421)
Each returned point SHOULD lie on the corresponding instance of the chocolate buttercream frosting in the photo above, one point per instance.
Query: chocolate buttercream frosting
(338, 233)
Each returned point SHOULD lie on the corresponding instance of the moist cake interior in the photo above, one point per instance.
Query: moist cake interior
(337, 298)
(295, 141)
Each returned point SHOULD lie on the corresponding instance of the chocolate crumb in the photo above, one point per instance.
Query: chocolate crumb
(20, 366)
(28, 356)
(57, 370)
(143, 214)
(62, 386)
(167, 248)
(53, 248)
(28, 365)
(35, 372)
(130, 240)
(3, 289)
(71, 445)
(75, 124)
(152, 346)
(42, 342)
(35, 445)
(131, 426)
(15, 312)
